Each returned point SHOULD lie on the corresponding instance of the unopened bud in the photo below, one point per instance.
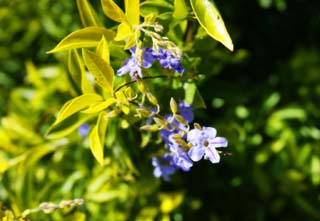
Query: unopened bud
(160, 122)
(180, 119)
(173, 106)
(151, 128)
(153, 100)
(144, 112)
(197, 126)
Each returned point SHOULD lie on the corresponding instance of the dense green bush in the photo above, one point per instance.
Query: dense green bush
(263, 98)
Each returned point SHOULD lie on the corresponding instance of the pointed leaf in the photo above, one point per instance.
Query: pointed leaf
(75, 105)
(193, 96)
(102, 72)
(133, 11)
(86, 37)
(180, 9)
(67, 126)
(97, 107)
(88, 16)
(124, 31)
(78, 73)
(113, 11)
(96, 137)
(210, 19)
(103, 50)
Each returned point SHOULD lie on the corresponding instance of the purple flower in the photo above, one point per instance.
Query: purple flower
(83, 130)
(179, 155)
(186, 111)
(164, 167)
(205, 143)
(168, 60)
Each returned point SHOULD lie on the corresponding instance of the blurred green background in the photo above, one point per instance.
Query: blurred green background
(264, 98)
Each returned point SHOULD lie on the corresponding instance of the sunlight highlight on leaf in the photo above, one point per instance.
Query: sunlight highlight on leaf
(210, 19)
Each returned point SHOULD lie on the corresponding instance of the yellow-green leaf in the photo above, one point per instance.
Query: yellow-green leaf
(131, 42)
(67, 127)
(75, 66)
(88, 16)
(193, 96)
(75, 105)
(96, 137)
(78, 73)
(180, 9)
(86, 37)
(210, 19)
(124, 31)
(113, 11)
(132, 8)
(97, 107)
(103, 50)
(102, 71)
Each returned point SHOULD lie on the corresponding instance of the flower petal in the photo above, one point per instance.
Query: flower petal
(218, 142)
(210, 132)
(196, 153)
(193, 135)
(212, 154)
(183, 161)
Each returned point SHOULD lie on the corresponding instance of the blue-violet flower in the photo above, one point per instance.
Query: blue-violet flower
(204, 143)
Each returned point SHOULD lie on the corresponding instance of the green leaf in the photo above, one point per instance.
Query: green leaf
(132, 8)
(156, 7)
(124, 31)
(96, 137)
(86, 37)
(97, 107)
(193, 96)
(180, 9)
(103, 50)
(102, 71)
(210, 19)
(113, 11)
(67, 126)
(88, 16)
(78, 73)
(75, 105)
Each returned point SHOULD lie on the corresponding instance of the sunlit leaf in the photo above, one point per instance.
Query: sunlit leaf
(67, 126)
(210, 19)
(87, 15)
(113, 11)
(131, 42)
(170, 201)
(132, 8)
(180, 9)
(193, 96)
(124, 31)
(102, 71)
(78, 73)
(96, 137)
(75, 105)
(97, 107)
(33, 75)
(86, 37)
(103, 50)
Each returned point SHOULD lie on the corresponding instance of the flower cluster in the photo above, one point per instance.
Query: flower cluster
(186, 146)
(134, 64)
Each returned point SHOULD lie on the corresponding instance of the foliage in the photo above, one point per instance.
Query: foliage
(261, 99)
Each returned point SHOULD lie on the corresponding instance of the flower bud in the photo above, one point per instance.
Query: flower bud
(153, 100)
(173, 106)
(150, 128)
(144, 112)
